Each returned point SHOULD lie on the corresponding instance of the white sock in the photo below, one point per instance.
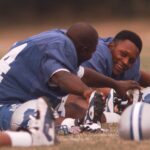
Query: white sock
(69, 122)
(111, 117)
(20, 138)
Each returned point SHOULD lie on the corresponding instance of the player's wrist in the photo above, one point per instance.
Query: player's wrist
(87, 93)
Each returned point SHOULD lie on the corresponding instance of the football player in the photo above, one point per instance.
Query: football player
(119, 58)
(46, 65)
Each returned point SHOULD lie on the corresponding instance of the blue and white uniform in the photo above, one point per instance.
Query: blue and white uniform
(101, 61)
(26, 69)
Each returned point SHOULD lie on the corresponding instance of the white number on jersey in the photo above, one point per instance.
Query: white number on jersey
(9, 58)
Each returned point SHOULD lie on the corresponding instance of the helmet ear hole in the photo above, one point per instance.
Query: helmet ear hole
(134, 124)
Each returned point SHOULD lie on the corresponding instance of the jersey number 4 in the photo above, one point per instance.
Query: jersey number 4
(8, 59)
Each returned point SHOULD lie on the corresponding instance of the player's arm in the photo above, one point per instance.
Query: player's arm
(95, 79)
(71, 83)
(144, 79)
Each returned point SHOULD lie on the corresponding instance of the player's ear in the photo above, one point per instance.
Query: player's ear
(111, 45)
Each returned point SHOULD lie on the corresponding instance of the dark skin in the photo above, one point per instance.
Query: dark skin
(85, 39)
(63, 78)
(95, 79)
(77, 87)
(5, 139)
(124, 54)
(90, 79)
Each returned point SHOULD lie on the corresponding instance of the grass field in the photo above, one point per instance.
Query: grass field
(92, 141)
(96, 141)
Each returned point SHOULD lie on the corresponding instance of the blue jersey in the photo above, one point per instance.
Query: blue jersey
(101, 61)
(26, 69)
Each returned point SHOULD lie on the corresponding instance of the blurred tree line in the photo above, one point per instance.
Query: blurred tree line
(43, 9)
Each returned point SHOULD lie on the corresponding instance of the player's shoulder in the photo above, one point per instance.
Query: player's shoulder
(103, 43)
(105, 40)
(102, 48)
(54, 34)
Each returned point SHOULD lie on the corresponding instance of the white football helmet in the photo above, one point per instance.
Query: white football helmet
(135, 123)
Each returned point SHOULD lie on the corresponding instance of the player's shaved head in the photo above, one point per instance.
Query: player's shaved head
(85, 39)
(83, 33)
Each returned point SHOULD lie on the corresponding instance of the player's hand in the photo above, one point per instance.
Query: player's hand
(123, 86)
(87, 94)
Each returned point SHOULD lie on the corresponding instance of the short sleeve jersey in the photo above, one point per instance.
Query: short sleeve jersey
(26, 69)
(101, 61)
